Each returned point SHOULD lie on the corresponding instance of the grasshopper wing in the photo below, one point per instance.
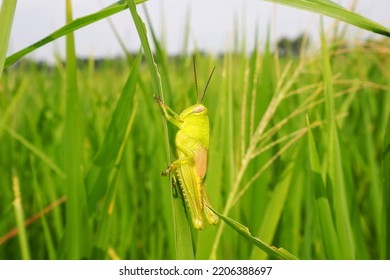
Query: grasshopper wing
(190, 184)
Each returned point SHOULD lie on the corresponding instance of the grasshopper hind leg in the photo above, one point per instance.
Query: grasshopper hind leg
(174, 165)
(211, 217)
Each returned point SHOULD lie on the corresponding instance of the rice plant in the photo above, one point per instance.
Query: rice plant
(297, 165)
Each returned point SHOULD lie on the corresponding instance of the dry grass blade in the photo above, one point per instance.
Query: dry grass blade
(19, 214)
(243, 111)
(296, 135)
(12, 233)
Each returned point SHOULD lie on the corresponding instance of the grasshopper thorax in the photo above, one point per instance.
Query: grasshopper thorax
(195, 124)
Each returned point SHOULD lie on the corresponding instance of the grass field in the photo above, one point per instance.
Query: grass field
(299, 154)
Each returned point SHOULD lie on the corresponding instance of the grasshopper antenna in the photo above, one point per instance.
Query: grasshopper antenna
(196, 80)
(208, 81)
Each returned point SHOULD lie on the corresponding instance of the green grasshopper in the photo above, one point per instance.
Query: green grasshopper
(192, 143)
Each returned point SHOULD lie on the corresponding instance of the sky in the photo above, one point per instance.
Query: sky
(211, 24)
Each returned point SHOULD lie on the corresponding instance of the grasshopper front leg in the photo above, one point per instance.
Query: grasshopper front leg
(174, 118)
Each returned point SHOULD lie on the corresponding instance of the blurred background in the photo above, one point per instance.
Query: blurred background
(211, 24)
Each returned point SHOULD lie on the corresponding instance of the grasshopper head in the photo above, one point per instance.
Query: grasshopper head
(196, 110)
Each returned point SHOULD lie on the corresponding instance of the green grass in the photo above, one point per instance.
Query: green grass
(7, 12)
(298, 152)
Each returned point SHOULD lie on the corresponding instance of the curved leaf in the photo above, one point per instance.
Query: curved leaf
(70, 27)
(331, 9)
(277, 253)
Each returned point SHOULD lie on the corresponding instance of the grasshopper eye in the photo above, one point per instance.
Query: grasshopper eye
(198, 109)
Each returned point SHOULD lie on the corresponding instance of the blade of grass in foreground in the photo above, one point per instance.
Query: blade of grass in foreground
(141, 29)
(68, 28)
(184, 249)
(331, 9)
(77, 234)
(277, 253)
(161, 57)
(182, 235)
(336, 174)
(7, 12)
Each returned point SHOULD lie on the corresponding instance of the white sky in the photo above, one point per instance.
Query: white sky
(211, 23)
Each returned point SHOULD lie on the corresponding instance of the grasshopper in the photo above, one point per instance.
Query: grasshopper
(192, 143)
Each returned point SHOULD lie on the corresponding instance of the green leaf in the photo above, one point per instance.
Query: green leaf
(161, 57)
(331, 9)
(37, 152)
(277, 253)
(274, 209)
(7, 12)
(117, 128)
(98, 175)
(386, 191)
(77, 237)
(68, 28)
(183, 236)
(105, 225)
(141, 29)
(183, 239)
(19, 216)
(324, 213)
(336, 174)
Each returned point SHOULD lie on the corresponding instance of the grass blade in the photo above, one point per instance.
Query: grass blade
(141, 29)
(35, 151)
(277, 253)
(325, 219)
(99, 173)
(105, 226)
(330, 9)
(19, 213)
(7, 12)
(161, 56)
(336, 174)
(45, 225)
(274, 209)
(117, 128)
(386, 192)
(78, 238)
(183, 236)
(182, 231)
(68, 28)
